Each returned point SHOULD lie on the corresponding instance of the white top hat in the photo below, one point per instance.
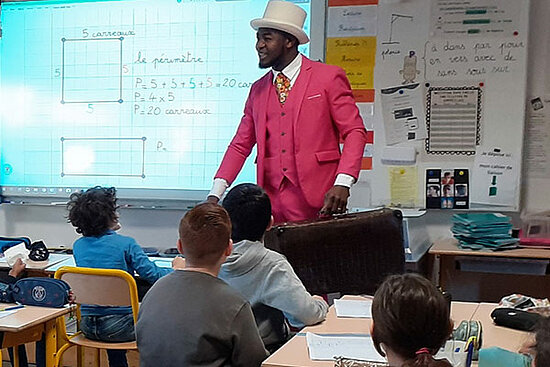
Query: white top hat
(283, 16)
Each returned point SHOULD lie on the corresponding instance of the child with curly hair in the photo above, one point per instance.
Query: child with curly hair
(94, 214)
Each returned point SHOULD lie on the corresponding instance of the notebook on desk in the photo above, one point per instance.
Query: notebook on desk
(353, 346)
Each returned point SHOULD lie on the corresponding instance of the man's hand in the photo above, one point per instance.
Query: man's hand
(212, 199)
(17, 268)
(336, 200)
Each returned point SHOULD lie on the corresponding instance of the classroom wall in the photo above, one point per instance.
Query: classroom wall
(158, 228)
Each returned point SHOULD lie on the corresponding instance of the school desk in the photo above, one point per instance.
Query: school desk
(487, 275)
(295, 353)
(27, 325)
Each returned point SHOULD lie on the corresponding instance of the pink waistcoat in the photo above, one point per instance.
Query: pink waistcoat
(279, 148)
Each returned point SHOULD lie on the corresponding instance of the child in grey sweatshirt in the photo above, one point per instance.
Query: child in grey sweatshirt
(264, 277)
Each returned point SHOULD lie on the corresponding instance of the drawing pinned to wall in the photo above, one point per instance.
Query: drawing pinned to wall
(396, 18)
(403, 113)
(402, 28)
(453, 119)
(484, 18)
(409, 70)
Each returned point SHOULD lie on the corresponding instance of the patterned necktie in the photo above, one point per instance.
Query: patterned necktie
(282, 83)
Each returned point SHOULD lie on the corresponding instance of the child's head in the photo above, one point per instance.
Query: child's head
(205, 234)
(410, 317)
(249, 208)
(93, 211)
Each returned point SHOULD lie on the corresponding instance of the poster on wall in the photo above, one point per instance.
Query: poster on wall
(453, 119)
(447, 188)
(495, 178)
(537, 142)
(482, 18)
(403, 113)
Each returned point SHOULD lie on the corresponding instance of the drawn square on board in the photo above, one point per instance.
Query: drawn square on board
(91, 70)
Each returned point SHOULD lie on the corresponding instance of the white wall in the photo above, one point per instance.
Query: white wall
(157, 228)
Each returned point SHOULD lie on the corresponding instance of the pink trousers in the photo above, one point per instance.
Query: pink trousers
(288, 203)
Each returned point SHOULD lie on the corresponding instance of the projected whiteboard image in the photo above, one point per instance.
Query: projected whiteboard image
(136, 94)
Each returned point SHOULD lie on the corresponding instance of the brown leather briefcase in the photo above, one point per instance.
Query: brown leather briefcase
(350, 254)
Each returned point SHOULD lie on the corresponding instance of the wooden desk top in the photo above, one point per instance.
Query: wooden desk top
(449, 247)
(29, 316)
(295, 353)
(498, 336)
(69, 261)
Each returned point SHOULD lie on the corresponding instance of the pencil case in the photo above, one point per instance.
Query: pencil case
(515, 318)
(467, 329)
(39, 291)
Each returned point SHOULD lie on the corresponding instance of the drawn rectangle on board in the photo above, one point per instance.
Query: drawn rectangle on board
(91, 70)
(115, 157)
(453, 118)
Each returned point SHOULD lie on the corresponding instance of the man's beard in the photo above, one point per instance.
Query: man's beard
(263, 66)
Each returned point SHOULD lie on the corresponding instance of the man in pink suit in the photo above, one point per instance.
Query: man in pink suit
(296, 114)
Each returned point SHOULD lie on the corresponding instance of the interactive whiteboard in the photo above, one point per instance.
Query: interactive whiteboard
(136, 94)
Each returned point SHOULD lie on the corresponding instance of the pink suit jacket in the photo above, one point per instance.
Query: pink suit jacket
(326, 112)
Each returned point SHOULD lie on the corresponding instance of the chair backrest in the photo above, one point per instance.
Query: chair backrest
(101, 287)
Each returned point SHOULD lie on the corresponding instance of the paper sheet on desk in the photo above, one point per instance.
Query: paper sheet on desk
(353, 308)
(6, 313)
(325, 348)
